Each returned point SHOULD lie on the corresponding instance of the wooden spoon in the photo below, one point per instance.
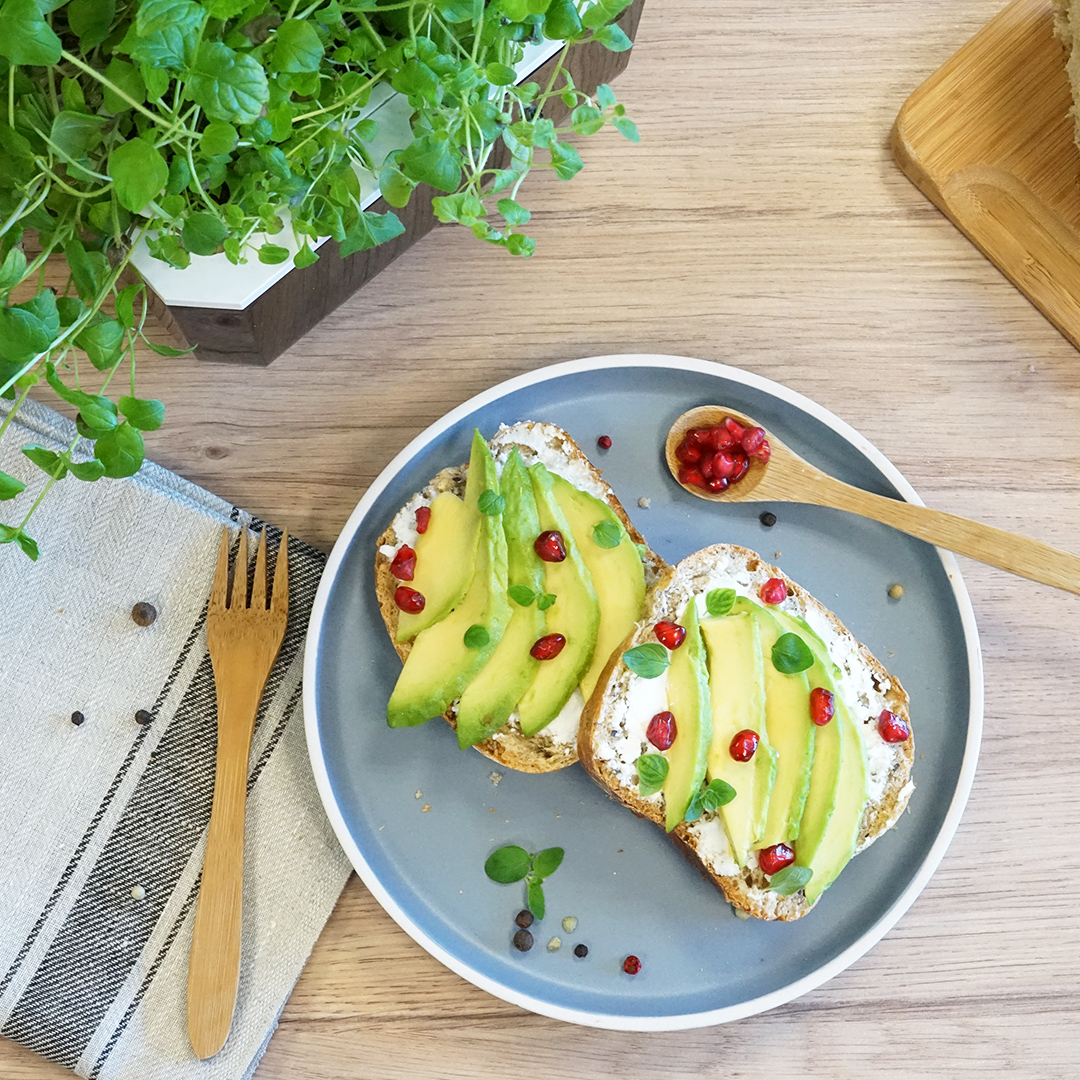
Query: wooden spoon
(788, 478)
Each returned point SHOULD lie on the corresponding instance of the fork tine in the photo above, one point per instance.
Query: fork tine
(238, 598)
(279, 602)
(258, 584)
(219, 591)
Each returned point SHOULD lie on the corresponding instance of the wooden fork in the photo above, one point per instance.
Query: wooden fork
(244, 642)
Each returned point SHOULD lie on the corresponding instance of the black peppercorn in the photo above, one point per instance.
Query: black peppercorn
(77, 718)
(581, 951)
(523, 941)
(768, 519)
(143, 717)
(524, 919)
(143, 614)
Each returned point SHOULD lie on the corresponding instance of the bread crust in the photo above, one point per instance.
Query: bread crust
(747, 888)
(507, 747)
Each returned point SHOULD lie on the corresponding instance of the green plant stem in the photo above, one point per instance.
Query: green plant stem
(11, 97)
(13, 410)
(25, 207)
(60, 465)
(344, 101)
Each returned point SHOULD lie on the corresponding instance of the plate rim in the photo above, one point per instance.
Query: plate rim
(614, 1021)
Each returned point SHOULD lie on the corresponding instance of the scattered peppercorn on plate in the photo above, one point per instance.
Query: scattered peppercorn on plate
(420, 818)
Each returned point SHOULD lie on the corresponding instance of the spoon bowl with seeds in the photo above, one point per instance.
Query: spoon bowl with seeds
(769, 471)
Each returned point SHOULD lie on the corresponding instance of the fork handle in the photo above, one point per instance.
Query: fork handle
(214, 969)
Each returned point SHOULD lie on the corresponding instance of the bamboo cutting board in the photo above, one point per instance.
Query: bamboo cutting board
(989, 139)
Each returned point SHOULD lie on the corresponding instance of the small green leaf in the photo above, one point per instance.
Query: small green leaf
(567, 161)
(87, 470)
(203, 233)
(297, 47)
(395, 187)
(607, 534)
(9, 486)
(546, 600)
(370, 230)
(500, 74)
(459, 11)
(613, 38)
(790, 879)
(548, 861)
(102, 342)
(168, 350)
(22, 334)
(12, 269)
(69, 308)
(124, 77)
(155, 15)
(535, 892)
(522, 595)
(491, 502)
(72, 93)
(273, 254)
(144, 414)
(627, 128)
(508, 864)
(432, 159)
(605, 96)
(125, 304)
(228, 85)
(790, 654)
(121, 451)
(305, 257)
(514, 212)
(25, 37)
(139, 173)
(47, 460)
(27, 545)
(476, 637)
(563, 21)
(90, 21)
(587, 119)
(718, 602)
(652, 770)
(649, 660)
(218, 137)
(709, 799)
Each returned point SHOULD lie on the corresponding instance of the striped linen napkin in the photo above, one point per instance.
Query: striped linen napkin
(103, 823)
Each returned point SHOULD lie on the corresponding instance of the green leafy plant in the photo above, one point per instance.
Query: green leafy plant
(649, 661)
(652, 772)
(218, 126)
(709, 799)
(512, 863)
(790, 654)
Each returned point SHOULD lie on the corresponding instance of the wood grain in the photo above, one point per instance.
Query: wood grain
(761, 222)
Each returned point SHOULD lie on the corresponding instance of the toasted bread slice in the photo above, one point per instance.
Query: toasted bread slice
(612, 733)
(556, 746)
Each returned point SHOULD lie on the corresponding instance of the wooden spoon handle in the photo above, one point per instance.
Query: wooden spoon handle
(214, 969)
(1007, 550)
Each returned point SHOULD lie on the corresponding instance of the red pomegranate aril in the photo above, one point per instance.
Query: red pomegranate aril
(662, 730)
(722, 439)
(409, 600)
(822, 705)
(744, 745)
(741, 466)
(752, 439)
(723, 464)
(718, 484)
(604, 442)
(706, 466)
(763, 452)
(688, 474)
(423, 518)
(893, 728)
(550, 547)
(699, 437)
(548, 647)
(774, 591)
(631, 965)
(670, 634)
(403, 565)
(772, 859)
(734, 427)
(687, 453)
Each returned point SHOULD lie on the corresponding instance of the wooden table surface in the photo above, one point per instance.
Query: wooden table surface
(761, 222)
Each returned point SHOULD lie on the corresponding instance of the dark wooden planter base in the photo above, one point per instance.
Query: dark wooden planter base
(287, 310)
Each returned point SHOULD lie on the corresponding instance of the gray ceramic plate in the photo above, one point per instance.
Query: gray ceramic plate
(418, 817)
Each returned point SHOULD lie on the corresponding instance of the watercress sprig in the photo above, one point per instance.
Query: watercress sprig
(512, 863)
(226, 126)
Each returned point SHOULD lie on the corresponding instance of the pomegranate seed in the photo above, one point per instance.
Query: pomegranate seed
(706, 466)
(670, 634)
(423, 518)
(692, 476)
(741, 466)
(604, 442)
(404, 564)
(631, 965)
(734, 427)
(687, 453)
(721, 438)
(763, 452)
(822, 705)
(774, 591)
(550, 547)
(699, 437)
(744, 745)
(548, 647)
(718, 484)
(775, 858)
(409, 599)
(661, 731)
(893, 728)
(752, 439)
(723, 464)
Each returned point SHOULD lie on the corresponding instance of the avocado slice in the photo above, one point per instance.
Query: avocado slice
(446, 551)
(575, 614)
(491, 697)
(688, 699)
(737, 691)
(829, 831)
(440, 664)
(618, 575)
(791, 734)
